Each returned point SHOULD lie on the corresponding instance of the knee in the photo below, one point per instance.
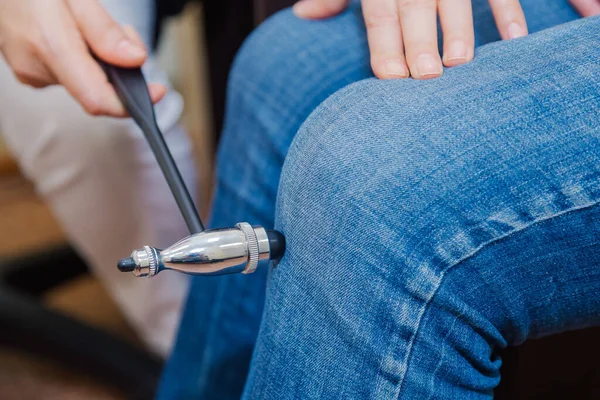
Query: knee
(358, 154)
(367, 212)
(375, 178)
(372, 225)
(351, 189)
(385, 190)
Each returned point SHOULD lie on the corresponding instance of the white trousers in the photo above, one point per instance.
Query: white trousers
(102, 182)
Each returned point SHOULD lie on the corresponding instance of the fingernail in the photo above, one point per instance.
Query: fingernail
(155, 90)
(515, 30)
(302, 8)
(131, 33)
(457, 51)
(427, 65)
(396, 68)
(131, 49)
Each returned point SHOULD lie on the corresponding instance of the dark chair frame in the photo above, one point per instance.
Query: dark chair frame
(28, 326)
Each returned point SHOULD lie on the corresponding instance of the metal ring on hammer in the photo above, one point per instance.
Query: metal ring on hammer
(152, 260)
(252, 246)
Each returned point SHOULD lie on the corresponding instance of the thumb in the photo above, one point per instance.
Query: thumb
(318, 9)
(104, 35)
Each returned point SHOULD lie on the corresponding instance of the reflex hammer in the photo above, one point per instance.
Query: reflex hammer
(238, 249)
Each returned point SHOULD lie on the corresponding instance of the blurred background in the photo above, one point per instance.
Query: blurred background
(61, 335)
(28, 227)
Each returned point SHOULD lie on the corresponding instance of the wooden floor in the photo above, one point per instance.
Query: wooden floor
(26, 224)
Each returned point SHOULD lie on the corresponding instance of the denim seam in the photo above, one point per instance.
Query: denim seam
(437, 367)
(465, 258)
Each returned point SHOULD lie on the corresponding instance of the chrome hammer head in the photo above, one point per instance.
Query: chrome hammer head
(240, 249)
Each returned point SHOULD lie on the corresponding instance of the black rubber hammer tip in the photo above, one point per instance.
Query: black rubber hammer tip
(276, 244)
(126, 264)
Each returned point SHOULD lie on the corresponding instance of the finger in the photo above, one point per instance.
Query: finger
(318, 9)
(37, 78)
(28, 69)
(456, 18)
(385, 39)
(132, 34)
(586, 8)
(104, 36)
(510, 18)
(419, 32)
(157, 92)
(67, 56)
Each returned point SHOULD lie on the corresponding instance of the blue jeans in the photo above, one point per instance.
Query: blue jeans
(429, 223)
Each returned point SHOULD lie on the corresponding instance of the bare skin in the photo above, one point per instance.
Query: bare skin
(48, 42)
(587, 8)
(402, 34)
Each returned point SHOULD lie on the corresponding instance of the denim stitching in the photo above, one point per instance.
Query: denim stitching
(425, 307)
